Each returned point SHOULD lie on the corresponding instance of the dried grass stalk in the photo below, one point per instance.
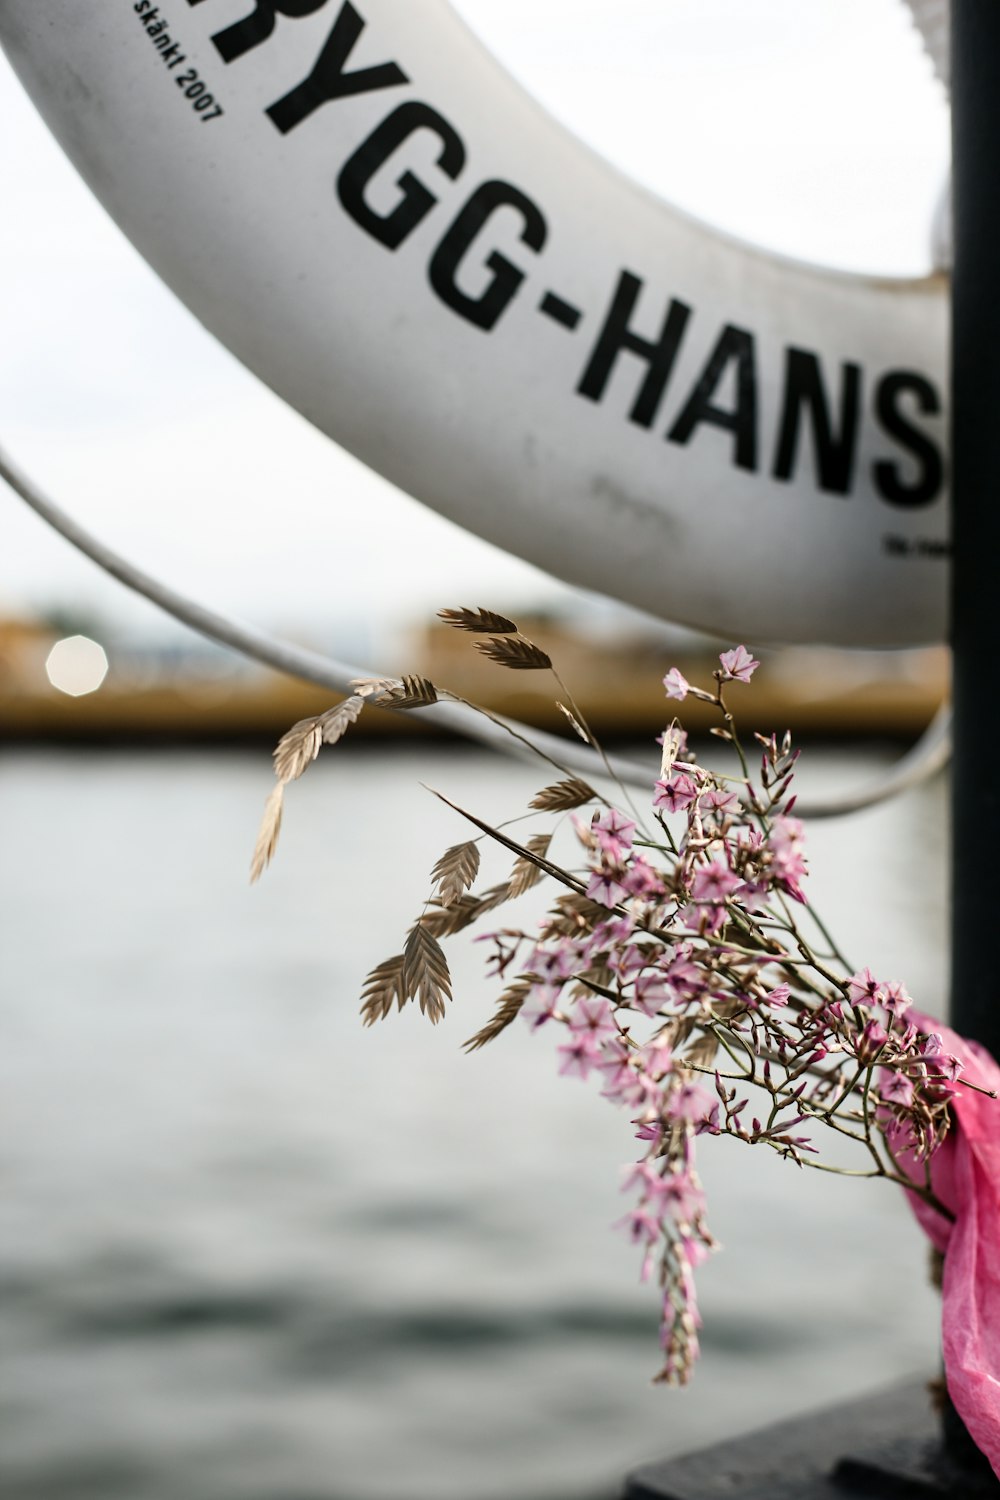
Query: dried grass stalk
(676, 1032)
(383, 988)
(295, 752)
(600, 976)
(455, 871)
(396, 692)
(373, 687)
(573, 914)
(520, 850)
(563, 795)
(517, 653)
(527, 871)
(574, 721)
(507, 1011)
(494, 896)
(410, 692)
(485, 621)
(443, 921)
(267, 838)
(297, 749)
(335, 723)
(701, 1053)
(426, 978)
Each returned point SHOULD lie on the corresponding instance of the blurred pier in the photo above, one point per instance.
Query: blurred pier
(199, 693)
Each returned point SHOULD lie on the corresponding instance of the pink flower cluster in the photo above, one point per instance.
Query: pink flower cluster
(679, 980)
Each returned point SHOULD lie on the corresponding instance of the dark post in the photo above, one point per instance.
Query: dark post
(975, 408)
(975, 614)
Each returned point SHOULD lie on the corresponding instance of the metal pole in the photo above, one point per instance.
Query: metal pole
(975, 615)
(975, 587)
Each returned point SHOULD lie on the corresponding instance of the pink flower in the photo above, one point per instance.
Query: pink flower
(605, 888)
(609, 936)
(870, 1043)
(579, 1055)
(752, 896)
(938, 1066)
(634, 1175)
(676, 684)
(789, 864)
(738, 665)
(690, 1102)
(615, 1053)
(657, 1057)
(541, 1005)
(640, 879)
(652, 992)
(554, 964)
(720, 801)
(714, 882)
(786, 830)
(593, 1016)
(640, 1226)
(613, 832)
(695, 1252)
(864, 989)
(615, 1066)
(638, 1092)
(627, 961)
(750, 839)
(678, 1195)
(896, 1088)
(674, 1193)
(685, 976)
(703, 919)
(676, 794)
(897, 1000)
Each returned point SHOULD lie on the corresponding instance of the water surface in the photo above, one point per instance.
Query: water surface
(251, 1251)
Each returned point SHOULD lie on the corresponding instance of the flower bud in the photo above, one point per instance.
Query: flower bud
(870, 1043)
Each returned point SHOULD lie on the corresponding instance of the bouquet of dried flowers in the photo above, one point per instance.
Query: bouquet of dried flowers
(681, 966)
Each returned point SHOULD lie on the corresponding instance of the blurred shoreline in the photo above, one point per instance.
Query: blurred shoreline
(199, 694)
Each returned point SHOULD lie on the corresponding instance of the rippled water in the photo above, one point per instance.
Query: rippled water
(250, 1251)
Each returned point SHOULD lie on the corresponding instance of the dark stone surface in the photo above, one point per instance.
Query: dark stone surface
(886, 1447)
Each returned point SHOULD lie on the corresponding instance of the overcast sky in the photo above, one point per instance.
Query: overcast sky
(812, 126)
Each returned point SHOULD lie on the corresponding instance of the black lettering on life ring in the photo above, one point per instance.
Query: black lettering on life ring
(616, 335)
(328, 81)
(255, 28)
(490, 196)
(391, 229)
(929, 478)
(733, 344)
(834, 449)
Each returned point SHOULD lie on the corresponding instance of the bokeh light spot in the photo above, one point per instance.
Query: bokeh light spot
(76, 665)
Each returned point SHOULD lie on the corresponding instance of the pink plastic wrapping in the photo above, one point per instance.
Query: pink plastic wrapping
(965, 1176)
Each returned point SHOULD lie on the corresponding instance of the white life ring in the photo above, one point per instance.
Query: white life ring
(377, 220)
